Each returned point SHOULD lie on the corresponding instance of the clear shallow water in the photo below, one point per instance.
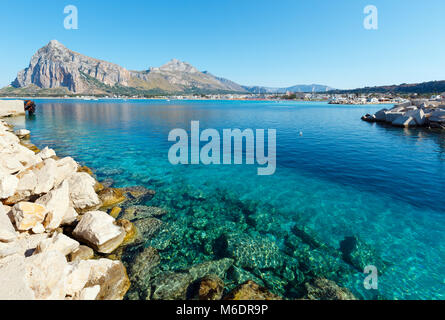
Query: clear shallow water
(341, 177)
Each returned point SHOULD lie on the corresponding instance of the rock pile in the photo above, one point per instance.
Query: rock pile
(421, 113)
(49, 226)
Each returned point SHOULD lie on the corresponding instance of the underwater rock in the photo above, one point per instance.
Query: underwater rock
(250, 252)
(216, 267)
(250, 291)
(171, 286)
(359, 254)
(139, 212)
(319, 263)
(111, 197)
(240, 275)
(210, 287)
(139, 192)
(141, 271)
(115, 211)
(148, 226)
(324, 289)
(131, 232)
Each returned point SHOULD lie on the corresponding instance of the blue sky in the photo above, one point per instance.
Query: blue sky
(270, 43)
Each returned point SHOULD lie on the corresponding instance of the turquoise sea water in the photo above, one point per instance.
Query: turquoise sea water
(340, 177)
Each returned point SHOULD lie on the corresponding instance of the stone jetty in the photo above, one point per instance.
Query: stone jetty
(413, 113)
(54, 240)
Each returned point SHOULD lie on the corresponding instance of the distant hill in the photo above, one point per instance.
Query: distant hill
(431, 87)
(298, 88)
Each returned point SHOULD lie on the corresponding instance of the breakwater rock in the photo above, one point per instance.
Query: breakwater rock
(49, 226)
(415, 113)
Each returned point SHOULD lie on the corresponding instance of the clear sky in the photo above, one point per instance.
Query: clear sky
(252, 42)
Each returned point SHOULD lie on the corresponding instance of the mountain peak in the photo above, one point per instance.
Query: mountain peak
(175, 65)
(55, 44)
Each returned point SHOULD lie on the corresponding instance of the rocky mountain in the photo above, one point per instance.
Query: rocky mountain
(298, 88)
(55, 66)
(57, 70)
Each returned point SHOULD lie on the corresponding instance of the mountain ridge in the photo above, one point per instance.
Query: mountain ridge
(55, 68)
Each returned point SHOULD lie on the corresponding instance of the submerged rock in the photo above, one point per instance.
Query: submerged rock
(250, 291)
(324, 289)
(140, 212)
(148, 226)
(359, 254)
(171, 286)
(210, 287)
(250, 252)
(216, 267)
(111, 197)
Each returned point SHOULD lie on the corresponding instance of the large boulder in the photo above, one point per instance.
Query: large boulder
(110, 275)
(13, 279)
(7, 231)
(57, 203)
(418, 115)
(82, 192)
(27, 215)
(58, 242)
(380, 115)
(64, 169)
(404, 121)
(98, 229)
(46, 153)
(8, 185)
(45, 174)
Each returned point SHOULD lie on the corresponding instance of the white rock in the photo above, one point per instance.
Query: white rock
(11, 108)
(46, 153)
(82, 192)
(70, 217)
(404, 121)
(8, 185)
(7, 231)
(22, 133)
(77, 277)
(59, 242)
(98, 229)
(418, 115)
(38, 229)
(438, 115)
(26, 185)
(89, 293)
(46, 274)
(381, 115)
(27, 215)
(14, 280)
(65, 168)
(56, 202)
(392, 115)
(45, 176)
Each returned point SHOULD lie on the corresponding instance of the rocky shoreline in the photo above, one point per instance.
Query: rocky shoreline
(64, 235)
(414, 113)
